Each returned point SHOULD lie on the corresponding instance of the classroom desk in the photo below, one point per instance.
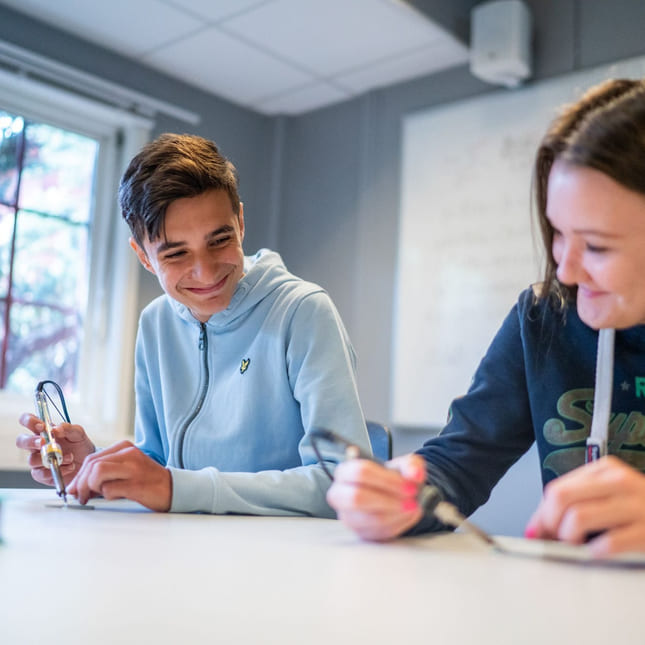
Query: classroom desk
(132, 576)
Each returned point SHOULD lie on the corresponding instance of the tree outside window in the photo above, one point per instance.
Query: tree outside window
(47, 177)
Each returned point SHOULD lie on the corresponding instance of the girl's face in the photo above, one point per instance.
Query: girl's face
(599, 244)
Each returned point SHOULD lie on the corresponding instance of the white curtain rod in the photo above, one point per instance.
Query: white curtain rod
(24, 62)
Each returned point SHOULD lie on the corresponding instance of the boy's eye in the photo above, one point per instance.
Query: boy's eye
(596, 249)
(220, 240)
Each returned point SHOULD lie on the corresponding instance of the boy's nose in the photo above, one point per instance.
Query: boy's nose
(203, 270)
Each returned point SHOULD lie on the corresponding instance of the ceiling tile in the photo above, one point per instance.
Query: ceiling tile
(116, 24)
(218, 63)
(395, 70)
(302, 100)
(216, 10)
(330, 36)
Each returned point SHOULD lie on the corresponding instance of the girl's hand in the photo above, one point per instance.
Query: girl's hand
(605, 497)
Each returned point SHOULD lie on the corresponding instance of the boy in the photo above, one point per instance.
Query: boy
(234, 365)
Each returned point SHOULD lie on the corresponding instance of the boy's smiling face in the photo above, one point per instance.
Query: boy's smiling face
(199, 259)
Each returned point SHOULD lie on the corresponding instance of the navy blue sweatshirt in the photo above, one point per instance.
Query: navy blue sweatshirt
(536, 383)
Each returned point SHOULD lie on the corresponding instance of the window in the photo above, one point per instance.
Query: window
(46, 188)
(68, 300)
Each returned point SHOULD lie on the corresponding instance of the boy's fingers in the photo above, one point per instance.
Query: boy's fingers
(42, 476)
(31, 422)
(73, 433)
(28, 441)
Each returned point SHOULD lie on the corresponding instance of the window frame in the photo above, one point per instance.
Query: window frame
(104, 404)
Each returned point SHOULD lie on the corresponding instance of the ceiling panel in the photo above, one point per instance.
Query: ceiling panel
(426, 60)
(302, 100)
(121, 25)
(219, 63)
(215, 10)
(330, 36)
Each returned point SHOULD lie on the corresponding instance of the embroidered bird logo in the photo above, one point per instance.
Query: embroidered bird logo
(244, 365)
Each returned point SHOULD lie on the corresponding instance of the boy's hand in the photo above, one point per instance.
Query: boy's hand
(74, 443)
(123, 471)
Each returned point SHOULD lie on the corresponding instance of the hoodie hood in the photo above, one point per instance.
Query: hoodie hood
(264, 272)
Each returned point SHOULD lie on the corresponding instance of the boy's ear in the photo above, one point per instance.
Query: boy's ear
(141, 254)
(240, 219)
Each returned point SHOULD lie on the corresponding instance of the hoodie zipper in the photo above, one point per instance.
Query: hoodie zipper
(203, 348)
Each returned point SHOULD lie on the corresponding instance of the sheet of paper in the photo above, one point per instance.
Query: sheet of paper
(551, 550)
(100, 504)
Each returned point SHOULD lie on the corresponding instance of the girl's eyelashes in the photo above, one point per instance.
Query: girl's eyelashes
(593, 248)
(589, 246)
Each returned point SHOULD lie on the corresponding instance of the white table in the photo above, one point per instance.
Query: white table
(132, 576)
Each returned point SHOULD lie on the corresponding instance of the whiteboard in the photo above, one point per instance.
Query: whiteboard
(466, 246)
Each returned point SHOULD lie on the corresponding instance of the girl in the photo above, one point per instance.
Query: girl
(536, 382)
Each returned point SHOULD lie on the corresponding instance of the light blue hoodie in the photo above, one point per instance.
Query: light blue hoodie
(227, 404)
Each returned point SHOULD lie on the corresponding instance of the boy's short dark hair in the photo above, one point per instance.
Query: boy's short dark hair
(169, 168)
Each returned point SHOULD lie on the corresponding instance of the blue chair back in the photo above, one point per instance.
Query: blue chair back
(381, 440)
